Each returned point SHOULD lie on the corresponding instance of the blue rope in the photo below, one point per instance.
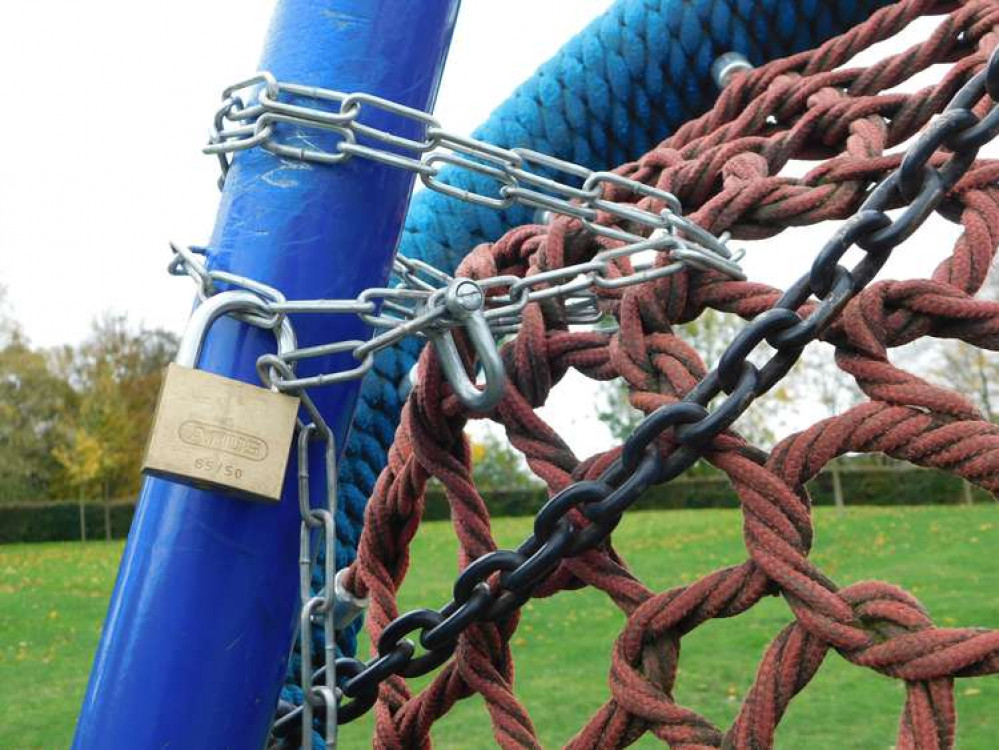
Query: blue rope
(612, 92)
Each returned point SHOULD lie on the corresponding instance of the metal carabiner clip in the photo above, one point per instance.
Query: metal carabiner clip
(465, 300)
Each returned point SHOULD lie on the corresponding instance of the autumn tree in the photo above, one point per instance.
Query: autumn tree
(970, 370)
(709, 335)
(116, 375)
(33, 401)
(100, 440)
(973, 372)
(496, 466)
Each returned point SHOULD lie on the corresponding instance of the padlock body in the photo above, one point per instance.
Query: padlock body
(214, 432)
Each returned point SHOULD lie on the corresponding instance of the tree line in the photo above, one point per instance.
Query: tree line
(74, 418)
(816, 385)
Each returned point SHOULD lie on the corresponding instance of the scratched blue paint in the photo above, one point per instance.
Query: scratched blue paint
(203, 613)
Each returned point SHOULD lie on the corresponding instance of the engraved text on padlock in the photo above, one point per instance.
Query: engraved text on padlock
(215, 432)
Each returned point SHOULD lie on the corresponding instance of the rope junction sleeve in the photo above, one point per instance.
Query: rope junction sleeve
(726, 167)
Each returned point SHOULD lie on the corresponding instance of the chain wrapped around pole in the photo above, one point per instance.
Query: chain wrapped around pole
(426, 303)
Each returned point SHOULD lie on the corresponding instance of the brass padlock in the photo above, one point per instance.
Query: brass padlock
(217, 433)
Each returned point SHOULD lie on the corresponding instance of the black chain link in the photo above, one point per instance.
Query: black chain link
(917, 185)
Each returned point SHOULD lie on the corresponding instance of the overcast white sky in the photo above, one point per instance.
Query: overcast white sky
(107, 105)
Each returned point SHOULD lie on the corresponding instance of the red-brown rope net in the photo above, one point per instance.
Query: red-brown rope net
(726, 169)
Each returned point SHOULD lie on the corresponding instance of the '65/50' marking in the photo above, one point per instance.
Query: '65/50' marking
(223, 439)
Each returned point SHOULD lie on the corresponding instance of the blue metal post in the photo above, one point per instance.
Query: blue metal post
(203, 614)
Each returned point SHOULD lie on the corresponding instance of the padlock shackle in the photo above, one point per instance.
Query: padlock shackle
(217, 306)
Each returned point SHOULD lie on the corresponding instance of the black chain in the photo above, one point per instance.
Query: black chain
(916, 185)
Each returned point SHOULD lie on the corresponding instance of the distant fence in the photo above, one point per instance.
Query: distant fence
(839, 486)
(843, 486)
(63, 521)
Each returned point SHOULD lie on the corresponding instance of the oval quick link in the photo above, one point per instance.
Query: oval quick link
(464, 300)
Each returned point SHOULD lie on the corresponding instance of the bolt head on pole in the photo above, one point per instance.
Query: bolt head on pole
(463, 297)
(727, 66)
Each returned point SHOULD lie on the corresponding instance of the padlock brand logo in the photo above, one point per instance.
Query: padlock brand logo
(223, 439)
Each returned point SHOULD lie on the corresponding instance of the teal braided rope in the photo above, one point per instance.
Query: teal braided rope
(612, 92)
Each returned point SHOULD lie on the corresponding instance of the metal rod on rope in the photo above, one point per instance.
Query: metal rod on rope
(197, 636)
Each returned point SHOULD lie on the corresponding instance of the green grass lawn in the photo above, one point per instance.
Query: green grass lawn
(53, 598)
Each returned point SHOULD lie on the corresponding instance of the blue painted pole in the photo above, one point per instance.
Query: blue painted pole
(200, 624)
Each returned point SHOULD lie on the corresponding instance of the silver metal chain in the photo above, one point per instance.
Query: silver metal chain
(426, 302)
(321, 606)
(257, 111)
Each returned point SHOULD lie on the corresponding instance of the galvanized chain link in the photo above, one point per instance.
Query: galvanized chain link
(917, 185)
(424, 303)
(253, 112)
(322, 605)
(429, 303)
(396, 312)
